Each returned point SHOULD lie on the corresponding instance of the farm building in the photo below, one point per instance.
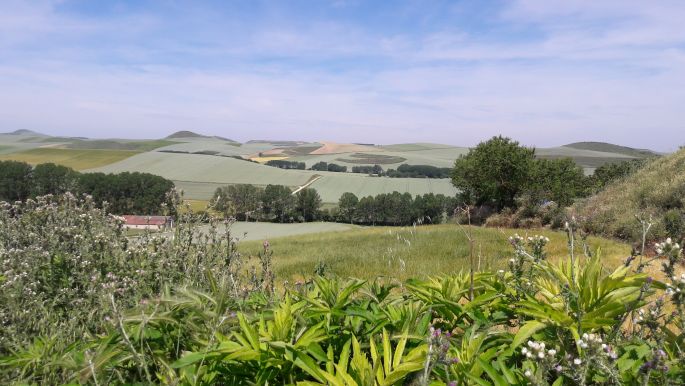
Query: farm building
(148, 222)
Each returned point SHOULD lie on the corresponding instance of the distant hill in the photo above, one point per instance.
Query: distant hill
(26, 132)
(655, 191)
(611, 148)
(189, 134)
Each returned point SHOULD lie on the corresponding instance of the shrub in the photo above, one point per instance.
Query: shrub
(504, 219)
(674, 222)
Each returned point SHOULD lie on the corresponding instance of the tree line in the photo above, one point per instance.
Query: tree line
(277, 203)
(403, 171)
(419, 171)
(282, 164)
(124, 193)
(395, 208)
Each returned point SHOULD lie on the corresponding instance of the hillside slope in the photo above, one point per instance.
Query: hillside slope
(611, 148)
(657, 190)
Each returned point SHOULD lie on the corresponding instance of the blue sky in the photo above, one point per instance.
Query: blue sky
(541, 71)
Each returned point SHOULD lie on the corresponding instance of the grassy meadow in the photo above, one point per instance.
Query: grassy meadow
(403, 253)
(78, 159)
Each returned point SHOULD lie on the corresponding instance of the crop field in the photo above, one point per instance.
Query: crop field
(78, 159)
(438, 157)
(220, 147)
(200, 175)
(371, 159)
(116, 144)
(207, 168)
(332, 185)
(415, 146)
(16, 143)
(402, 253)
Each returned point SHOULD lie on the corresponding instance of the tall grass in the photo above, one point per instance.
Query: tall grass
(410, 252)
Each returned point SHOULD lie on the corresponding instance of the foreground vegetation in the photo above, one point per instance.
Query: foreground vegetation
(81, 303)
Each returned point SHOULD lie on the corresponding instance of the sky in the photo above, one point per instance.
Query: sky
(543, 72)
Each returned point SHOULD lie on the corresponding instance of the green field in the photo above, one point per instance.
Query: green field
(402, 253)
(77, 159)
(116, 144)
(208, 169)
(331, 185)
(260, 231)
(199, 176)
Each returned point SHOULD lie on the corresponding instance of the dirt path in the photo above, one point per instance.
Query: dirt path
(312, 180)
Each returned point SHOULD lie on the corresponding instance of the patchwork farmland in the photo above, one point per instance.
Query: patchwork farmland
(200, 164)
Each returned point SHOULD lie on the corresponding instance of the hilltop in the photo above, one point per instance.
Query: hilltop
(25, 132)
(185, 134)
(656, 191)
(612, 148)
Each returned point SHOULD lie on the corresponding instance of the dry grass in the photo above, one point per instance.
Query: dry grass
(335, 148)
(650, 192)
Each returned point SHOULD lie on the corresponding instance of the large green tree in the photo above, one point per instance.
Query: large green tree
(49, 178)
(15, 180)
(308, 204)
(558, 180)
(494, 172)
(347, 207)
(240, 200)
(278, 203)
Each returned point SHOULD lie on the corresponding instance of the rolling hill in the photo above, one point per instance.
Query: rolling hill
(655, 193)
(199, 163)
(611, 148)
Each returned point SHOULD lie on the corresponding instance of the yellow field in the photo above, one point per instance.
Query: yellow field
(262, 160)
(78, 159)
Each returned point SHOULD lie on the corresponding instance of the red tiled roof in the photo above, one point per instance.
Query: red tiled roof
(145, 220)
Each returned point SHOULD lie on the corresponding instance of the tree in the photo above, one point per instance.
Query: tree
(277, 202)
(321, 166)
(337, 168)
(308, 204)
(608, 173)
(49, 178)
(347, 207)
(366, 210)
(241, 200)
(15, 180)
(493, 172)
(558, 180)
(127, 193)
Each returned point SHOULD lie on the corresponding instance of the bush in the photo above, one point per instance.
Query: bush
(70, 263)
(674, 222)
(504, 219)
